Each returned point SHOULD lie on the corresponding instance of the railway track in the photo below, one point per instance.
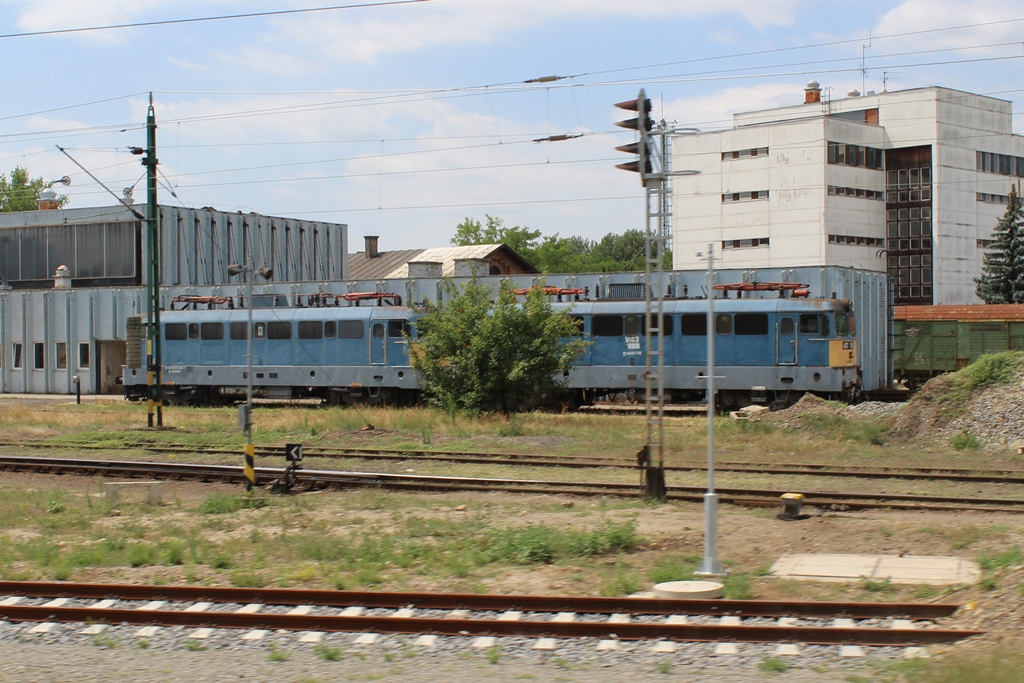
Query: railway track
(966, 475)
(340, 479)
(260, 611)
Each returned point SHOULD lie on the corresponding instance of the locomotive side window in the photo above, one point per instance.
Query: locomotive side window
(174, 331)
(842, 325)
(632, 325)
(193, 330)
(330, 329)
(260, 331)
(693, 325)
(723, 323)
(666, 324)
(239, 331)
(279, 329)
(311, 329)
(813, 323)
(577, 321)
(212, 330)
(350, 329)
(606, 325)
(751, 323)
(398, 328)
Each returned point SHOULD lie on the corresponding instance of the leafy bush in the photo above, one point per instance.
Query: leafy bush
(965, 441)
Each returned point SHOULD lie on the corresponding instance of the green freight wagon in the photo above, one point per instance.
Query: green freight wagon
(930, 340)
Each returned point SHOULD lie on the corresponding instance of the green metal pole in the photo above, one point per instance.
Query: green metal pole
(154, 380)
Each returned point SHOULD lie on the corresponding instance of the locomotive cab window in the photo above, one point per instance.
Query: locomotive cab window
(211, 331)
(723, 323)
(606, 325)
(751, 323)
(693, 325)
(632, 326)
(311, 329)
(814, 323)
(238, 331)
(175, 332)
(330, 329)
(193, 330)
(786, 326)
(378, 331)
(399, 328)
(843, 325)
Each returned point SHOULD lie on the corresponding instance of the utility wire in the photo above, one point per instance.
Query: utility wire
(194, 20)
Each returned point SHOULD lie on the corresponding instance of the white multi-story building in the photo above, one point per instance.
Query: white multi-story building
(911, 183)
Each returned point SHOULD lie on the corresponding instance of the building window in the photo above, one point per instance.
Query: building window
(83, 355)
(855, 155)
(62, 355)
(857, 240)
(837, 191)
(39, 355)
(1001, 164)
(744, 196)
(16, 352)
(988, 198)
(745, 243)
(986, 244)
(745, 153)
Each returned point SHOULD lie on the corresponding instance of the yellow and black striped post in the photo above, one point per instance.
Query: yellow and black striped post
(249, 468)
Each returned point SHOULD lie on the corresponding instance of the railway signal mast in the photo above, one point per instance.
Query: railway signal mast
(653, 164)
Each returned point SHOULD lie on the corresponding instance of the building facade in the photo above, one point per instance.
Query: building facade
(909, 183)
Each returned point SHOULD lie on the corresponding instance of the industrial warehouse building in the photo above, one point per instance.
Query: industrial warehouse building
(909, 183)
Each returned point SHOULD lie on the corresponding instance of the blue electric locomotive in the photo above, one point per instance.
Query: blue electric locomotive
(766, 351)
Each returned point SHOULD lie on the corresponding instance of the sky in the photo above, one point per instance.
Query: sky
(403, 118)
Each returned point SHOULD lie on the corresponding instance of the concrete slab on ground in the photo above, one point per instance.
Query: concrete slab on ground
(938, 571)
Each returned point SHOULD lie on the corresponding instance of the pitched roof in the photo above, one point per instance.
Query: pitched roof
(395, 264)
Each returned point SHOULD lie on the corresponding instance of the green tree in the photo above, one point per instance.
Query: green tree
(480, 356)
(20, 193)
(1002, 278)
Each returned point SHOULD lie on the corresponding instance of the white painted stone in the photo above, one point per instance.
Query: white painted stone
(199, 607)
(312, 637)
(251, 608)
(545, 644)
(619, 619)
(844, 623)
(103, 604)
(727, 649)
(366, 639)
(731, 620)
(564, 617)
(353, 611)
(147, 631)
(11, 600)
(45, 627)
(787, 650)
(902, 624)
(56, 602)
(404, 613)
(300, 610)
(151, 605)
(677, 619)
(511, 615)
(664, 646)
(786, 621)
(256, 634)
(201, 633)
(427, 641)
(916, 653)
(484, 642)
(607, 645)
(851, 651)
(94, 630)
(457, 614)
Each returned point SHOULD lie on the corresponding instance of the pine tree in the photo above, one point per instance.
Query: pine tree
(1002, 278)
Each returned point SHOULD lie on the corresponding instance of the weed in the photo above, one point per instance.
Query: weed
(276, 655)
(1010, 557)
(104, 640)
(248, 579)
(390, 656)
(988, 583)
(965, 441)
(194, 646)
(221, 504)
(665, 667)
(494, 654)
(881, 586)
(326, 652)
(773, 665)
(142, 644)
(924, 592)
(736, 586)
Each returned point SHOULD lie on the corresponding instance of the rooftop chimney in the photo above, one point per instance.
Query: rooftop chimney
(48, 200)
(371, 246)
(812, 93)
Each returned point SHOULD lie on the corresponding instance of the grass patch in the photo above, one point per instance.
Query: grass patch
(221, 504)
(1003, 665)
(1010, 557)
(773, 665)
